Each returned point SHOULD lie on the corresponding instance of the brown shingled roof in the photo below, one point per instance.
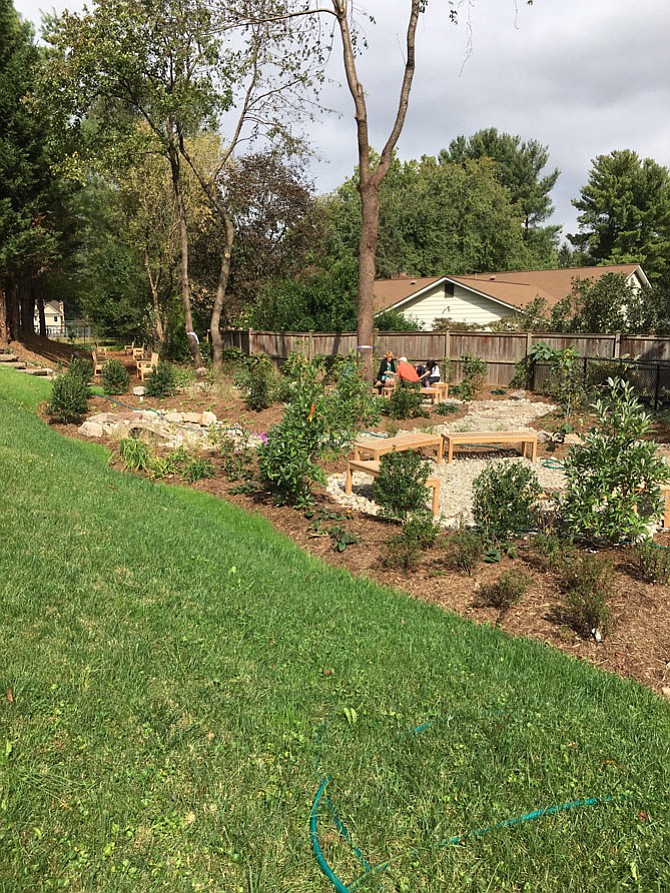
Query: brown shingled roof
(515, 288)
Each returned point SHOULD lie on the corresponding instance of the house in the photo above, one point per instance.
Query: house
(483, 298)
(54, 316)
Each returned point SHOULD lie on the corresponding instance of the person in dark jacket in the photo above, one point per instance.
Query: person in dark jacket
(387, 370)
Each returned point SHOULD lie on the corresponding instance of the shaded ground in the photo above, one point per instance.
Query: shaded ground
(638, 646)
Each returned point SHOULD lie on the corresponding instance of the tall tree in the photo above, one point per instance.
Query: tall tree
(625, 213)
(520, 165)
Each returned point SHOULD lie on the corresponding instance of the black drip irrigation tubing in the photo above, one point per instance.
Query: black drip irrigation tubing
(338, 884)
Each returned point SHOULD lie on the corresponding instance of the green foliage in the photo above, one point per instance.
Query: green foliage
(473, 376)
(161, 382)
(625, 213)
(81, 367)
(405, 402)
(587, 583)
(352, 405)
(400, 488)
(257, 377)
(237, 455)
(69, 397)
(504, 499)
(614, 476)
(506, 591)
(446, 408)
(325, 522)
(197, 469)
(395, 321)
(652, 562)
(421, 528)
(134, 454)
(549, 551)
(418, 533)
(115, 378)
(463, 550)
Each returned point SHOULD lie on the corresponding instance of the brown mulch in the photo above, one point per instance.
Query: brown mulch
(638, 645)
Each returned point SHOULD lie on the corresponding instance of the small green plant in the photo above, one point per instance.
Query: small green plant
(161, 382)
(184, 376)
(404, 403)
(69, 397)
(446, 408)
(115, 378)
(504, 498)
(134, 454)
(81, 367)
(422, 529)
(237, 455)
(473, 372)
(613, 478)
(258, 379)
(506, 591)
(587, 581)
(400, 488)
(404, 549)
(197, 469)
(549, 551)
(651, 562)
(463, 550)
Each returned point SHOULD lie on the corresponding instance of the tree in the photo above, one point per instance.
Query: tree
(519, 169)
(371, 171)
(626, 213)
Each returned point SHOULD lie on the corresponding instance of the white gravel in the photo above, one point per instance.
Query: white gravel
(456, 479)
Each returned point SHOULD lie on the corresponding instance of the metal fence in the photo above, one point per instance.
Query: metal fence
(650, 380)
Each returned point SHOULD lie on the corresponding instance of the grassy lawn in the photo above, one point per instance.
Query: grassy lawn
(182, 678)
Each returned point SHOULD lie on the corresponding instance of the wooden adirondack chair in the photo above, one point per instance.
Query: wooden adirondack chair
(146, 367)
(129, 349)
(97, 363)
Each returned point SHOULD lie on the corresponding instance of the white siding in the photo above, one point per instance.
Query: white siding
(462, 306)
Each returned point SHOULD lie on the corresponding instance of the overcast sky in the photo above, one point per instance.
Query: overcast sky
(583, 77)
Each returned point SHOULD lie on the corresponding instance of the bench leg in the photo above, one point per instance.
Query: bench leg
(350, 480)
(533, 450)
(440, 452)
(435, 505)
(450, 453)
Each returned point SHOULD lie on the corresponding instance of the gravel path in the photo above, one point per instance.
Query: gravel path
(456, 479)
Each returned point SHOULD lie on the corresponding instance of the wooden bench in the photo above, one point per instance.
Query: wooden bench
(436, 393)
(527, 440)
(378, 446)
(371, 467)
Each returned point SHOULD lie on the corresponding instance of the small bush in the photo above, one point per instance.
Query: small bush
(404, 403)
(198, 469)
(161, 382)
(504, 497)
(134, 454)
(549, 551)
(652, 562)
(422, 529)
(115, 378)
(400, 489)
(507, 590)
(587, 582)
(463, 551)
(473, 373)
(446, 408)
(81, 367)
(257, 378)
(69, 397)
(418, 533)
(237, 456)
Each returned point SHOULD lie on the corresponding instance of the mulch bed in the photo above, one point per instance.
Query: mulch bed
(637, 647)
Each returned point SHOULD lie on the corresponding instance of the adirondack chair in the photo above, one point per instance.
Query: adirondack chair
(146, 367)
(129, 349)
(138, 352)
(97, 363)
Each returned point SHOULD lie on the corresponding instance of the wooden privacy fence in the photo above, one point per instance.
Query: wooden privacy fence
(501, 350)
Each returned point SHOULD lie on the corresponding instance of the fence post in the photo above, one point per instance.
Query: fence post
(250, 333)
(658, 385)
(529, 343)
(617, 345)
(310, 346)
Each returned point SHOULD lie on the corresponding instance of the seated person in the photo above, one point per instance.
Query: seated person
(432, 374)
(406, 372)
(387, 370)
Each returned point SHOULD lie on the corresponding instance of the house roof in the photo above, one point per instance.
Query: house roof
(515, 288)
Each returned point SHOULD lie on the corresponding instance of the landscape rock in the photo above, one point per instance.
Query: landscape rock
(208, 418)
(91, 429)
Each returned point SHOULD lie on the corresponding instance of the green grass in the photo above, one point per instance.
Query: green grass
(26, 390)
(171, 717)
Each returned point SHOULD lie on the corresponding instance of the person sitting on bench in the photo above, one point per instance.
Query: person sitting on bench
(386, 372)
(406, 372)
(432, 374)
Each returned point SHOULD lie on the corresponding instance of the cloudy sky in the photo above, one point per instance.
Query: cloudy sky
(583, 77)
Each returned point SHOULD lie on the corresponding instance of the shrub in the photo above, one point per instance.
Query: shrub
(405, 403)
(421, 529)
(237, 456)
(161, 382)
(257, 378)
(614, 476)
(587, 581)
(404, 549)
(69, 397)
(473, 372)
(652, 562)
(504, 496)
(549, 551)
(81, 367)
(352, 404)
(400, 488)
(463, 551)
(115, 378)
(446, 408)
(506, 591)
(197, 469)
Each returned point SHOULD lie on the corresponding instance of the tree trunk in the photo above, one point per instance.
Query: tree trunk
(159, 329)
(27, 313)
(42, 317)
(183, 240)
(13, 313)
(4, 330)
(221, 288)
(367, 252)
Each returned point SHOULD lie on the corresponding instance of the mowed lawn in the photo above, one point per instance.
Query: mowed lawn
(177, 679)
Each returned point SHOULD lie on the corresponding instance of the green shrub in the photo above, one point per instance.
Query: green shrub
(257, 378)
(506, 591)
(69, 397)
(161, 382)
(587, 581)
(504, 498)
(134, 454)
(446, 408)
(400, 488)
(184, 376)
(115, 378)
(81, 367)
(463, 551)
(405, 403)
(613, 478)
(473, 376)
(197, 469)
(237, 455)
(549, 551)
(652, 562)
(422, 529)
(404, 549)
